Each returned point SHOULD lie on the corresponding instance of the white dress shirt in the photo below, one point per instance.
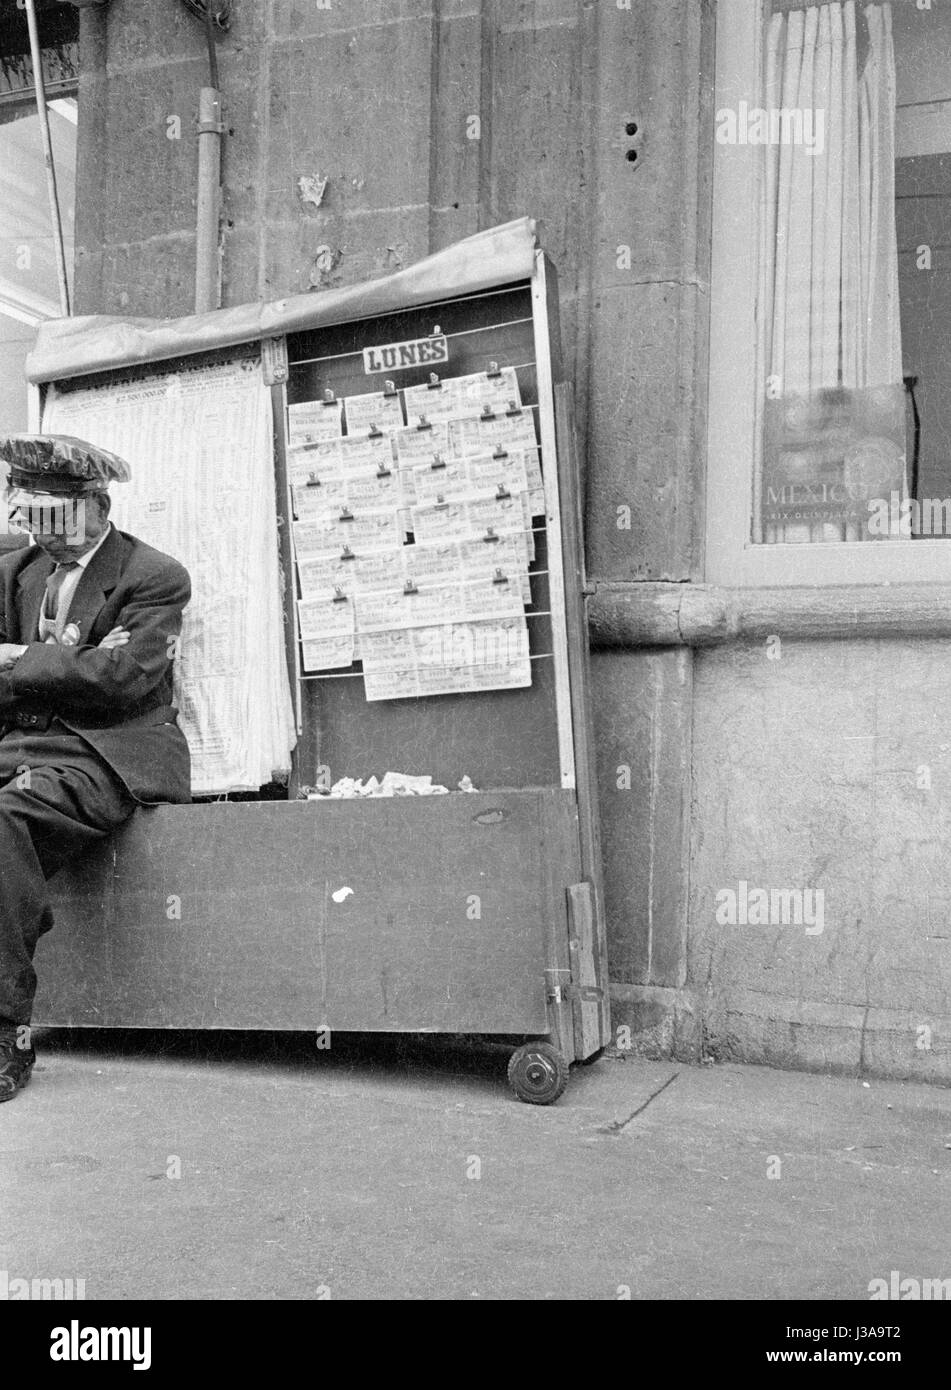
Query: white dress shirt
(67, 589)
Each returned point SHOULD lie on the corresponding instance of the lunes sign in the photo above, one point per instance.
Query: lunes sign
(389, 357)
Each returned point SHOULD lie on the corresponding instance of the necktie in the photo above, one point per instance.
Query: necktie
(53, 585)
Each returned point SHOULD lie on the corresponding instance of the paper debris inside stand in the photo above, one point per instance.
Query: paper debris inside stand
(393, 784)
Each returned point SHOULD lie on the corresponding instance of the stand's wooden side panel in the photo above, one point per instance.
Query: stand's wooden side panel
(588, 922)
(592, 1002)
(239, 916)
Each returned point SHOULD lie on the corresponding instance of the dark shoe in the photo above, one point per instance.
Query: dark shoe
(16, 1063)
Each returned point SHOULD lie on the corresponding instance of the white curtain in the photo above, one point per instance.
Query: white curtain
(880, 357)
(830, 339)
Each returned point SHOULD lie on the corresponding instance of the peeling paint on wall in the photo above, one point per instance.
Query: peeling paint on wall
(322, 269)
(311, 189)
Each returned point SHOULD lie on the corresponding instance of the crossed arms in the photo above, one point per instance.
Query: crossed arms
(118, 673)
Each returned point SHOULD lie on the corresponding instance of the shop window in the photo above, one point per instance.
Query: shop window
(828, 442)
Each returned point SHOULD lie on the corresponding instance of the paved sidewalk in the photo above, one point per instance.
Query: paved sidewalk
(404, 1169)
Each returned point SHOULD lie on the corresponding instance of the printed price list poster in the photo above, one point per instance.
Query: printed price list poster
(202, 489)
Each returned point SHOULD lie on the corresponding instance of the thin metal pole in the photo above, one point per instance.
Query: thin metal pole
(39, 88)
(207, 228)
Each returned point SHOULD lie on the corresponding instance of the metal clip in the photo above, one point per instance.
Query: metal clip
(490, 534)
(514, 409)
(410, 587)
(347, 553)
(500, 578)
(375, 432)
(382, 471)
(438, 461)
(494, 370)
(424, 423)
(339, 595)
(389, 388)
(312, 480)
(346, 514)
(329, 397)
(487, 412)
(433, 384)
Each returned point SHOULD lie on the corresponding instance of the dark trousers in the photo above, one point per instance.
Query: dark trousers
(57, 797)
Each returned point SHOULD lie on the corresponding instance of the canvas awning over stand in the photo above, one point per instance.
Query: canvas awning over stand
(90, 343)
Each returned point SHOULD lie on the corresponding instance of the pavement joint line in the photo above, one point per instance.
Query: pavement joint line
(616, 1126)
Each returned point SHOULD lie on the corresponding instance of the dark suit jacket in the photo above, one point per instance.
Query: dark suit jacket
(119, 701)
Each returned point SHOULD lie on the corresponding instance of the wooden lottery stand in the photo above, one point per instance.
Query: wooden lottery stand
(472, 913)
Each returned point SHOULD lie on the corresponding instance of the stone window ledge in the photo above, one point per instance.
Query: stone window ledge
(647, 614)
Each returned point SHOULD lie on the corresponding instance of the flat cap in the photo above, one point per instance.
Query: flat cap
(60, 464)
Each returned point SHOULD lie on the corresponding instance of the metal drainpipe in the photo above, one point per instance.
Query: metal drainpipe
(207, 259)
(208, 218)
(39, 88)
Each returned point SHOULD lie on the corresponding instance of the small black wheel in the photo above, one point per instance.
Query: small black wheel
(589, 1061)
(538, 1073)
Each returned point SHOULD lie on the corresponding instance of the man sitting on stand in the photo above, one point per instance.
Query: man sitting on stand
(89, 625)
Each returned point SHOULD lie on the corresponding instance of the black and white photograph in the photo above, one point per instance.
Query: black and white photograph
(475, 669)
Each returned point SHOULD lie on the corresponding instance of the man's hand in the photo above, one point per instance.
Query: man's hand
(10, 654)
